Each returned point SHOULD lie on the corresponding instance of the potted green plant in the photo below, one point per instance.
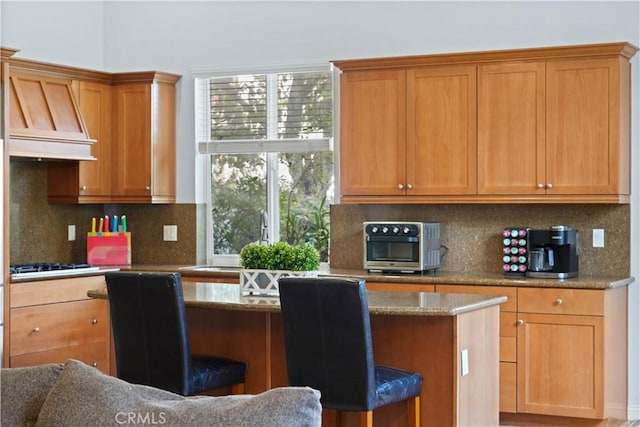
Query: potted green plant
(262, 265)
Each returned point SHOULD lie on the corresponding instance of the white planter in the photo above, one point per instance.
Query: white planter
(265, 282)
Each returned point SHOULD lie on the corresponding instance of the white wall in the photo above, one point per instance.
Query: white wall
(70, 33)
(180, 36)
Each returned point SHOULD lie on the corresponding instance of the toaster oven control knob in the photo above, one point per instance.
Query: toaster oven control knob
(406, 230)
(395, 229)
(374, 229)
(385, 230)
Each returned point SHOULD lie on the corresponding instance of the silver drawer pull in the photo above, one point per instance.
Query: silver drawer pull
(520, 322)
(36, 329)
(94, 321)
(94, 364)
(559, 301)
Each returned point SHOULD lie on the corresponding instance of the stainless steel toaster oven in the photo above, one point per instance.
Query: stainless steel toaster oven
(406, 247)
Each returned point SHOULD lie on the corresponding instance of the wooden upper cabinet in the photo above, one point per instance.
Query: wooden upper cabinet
(545, 125)
(441, 131)
(407, 133)
(87, 181)
(372, 133)
(144, 157)
(588, 127)
(511, 128)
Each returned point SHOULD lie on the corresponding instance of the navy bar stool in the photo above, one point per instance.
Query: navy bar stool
(328, 346)
(151, 337)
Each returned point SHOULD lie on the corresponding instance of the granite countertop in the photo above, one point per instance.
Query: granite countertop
(225, 296)
(441, 277)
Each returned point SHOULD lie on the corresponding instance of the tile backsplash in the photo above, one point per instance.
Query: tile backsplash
(473, 233)
(38, 230)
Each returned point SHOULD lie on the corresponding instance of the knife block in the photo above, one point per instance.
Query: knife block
(109, 248)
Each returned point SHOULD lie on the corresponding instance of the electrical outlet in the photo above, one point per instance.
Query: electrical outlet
(170, 233)
(598, 238)
(464, 362)
(71, 232)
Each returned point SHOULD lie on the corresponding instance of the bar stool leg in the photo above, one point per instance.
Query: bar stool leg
(366, 419)
(413, 412)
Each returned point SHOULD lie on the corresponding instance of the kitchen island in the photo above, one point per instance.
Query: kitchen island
(451, 339)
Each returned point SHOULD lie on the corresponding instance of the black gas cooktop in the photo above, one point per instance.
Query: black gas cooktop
(49, 269)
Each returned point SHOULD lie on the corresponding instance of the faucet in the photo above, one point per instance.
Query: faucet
(264, 227)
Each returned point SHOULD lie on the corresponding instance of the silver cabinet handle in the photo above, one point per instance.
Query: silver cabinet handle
(83, 188)
(400, 186)
(409, 187)
(36, 329)
(520, 322)
(559, 301)
(94, 364)
(94, 321)
(549, 185)
(147, 188)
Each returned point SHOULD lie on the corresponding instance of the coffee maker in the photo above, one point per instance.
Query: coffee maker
(553, 253)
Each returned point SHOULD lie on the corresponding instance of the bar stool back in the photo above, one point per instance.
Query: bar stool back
(151, 337)
(328, 346)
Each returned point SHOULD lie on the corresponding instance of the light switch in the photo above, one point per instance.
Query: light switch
(170, 233)
(71, 232)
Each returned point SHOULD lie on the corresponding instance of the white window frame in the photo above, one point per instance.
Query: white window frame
(271, 145)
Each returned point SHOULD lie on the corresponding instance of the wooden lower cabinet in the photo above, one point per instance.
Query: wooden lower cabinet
(572, 352)
(54, 320)
(560, 365)
(563, 352)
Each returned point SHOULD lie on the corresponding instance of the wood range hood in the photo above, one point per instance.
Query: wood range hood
(44, 119)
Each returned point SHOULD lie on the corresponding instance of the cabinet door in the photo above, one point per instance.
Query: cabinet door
(372, 133)
(441, 130)
(583, 127)
(560, 365)
(132, 140)
(511, 128)
(95, 103)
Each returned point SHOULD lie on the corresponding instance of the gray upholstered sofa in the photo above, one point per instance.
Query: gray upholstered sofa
(74, 394)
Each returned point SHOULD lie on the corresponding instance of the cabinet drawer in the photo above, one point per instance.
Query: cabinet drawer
(561, 301)
(52, 291)
(507, 387)
(508, 348)
(52, 326)
(94, 354)
(509, 292)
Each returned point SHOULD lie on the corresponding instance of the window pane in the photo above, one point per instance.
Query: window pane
(304, 105)
(306, 192)
(238, 107)
(238, 193)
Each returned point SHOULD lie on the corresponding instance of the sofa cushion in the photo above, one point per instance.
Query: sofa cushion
(23, 392)
(85, 396)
